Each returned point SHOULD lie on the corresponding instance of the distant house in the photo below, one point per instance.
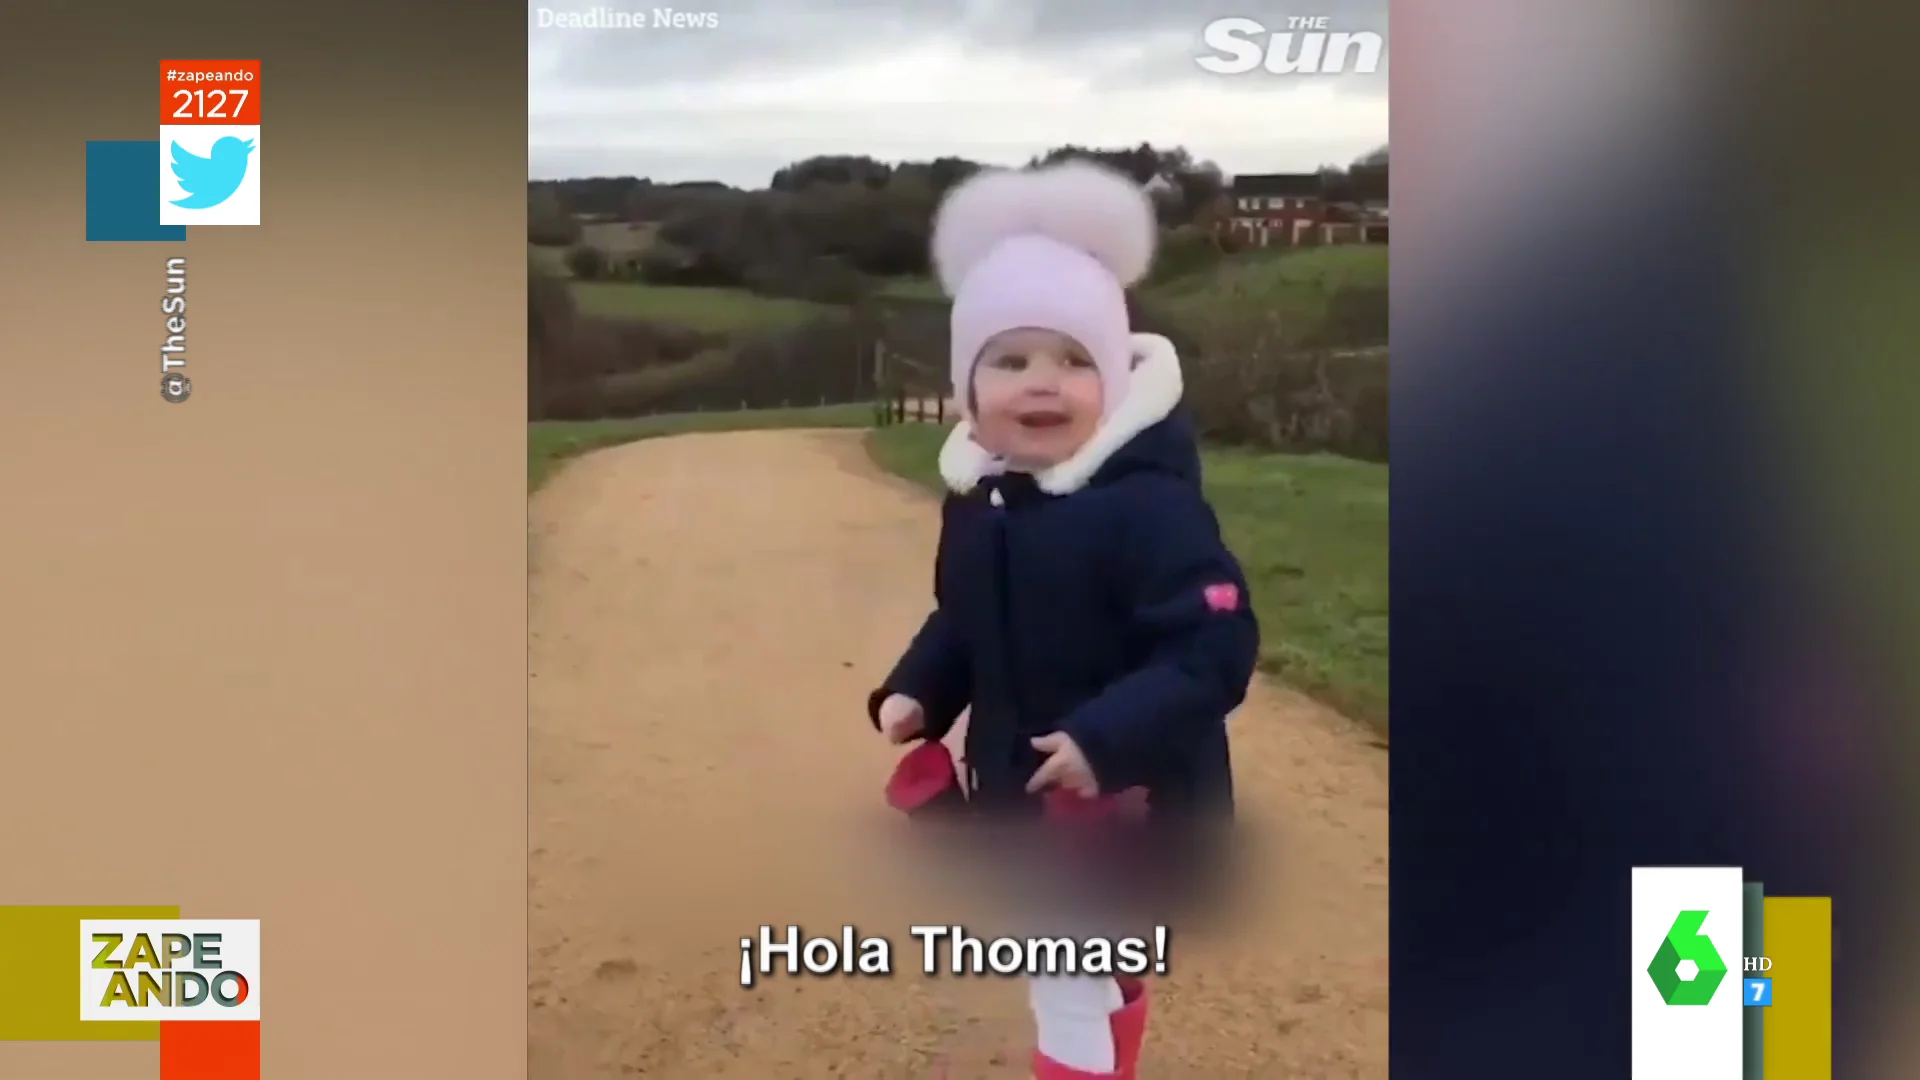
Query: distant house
(1373, 221)
(1276, 208)
(1270, 209)
(1368, 181)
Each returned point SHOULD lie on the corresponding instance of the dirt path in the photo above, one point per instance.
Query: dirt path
(708, 612)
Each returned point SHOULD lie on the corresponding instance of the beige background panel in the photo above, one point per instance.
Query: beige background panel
(264, 653)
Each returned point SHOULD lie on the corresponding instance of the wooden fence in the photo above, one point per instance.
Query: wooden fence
(907, 391)
(903, 408)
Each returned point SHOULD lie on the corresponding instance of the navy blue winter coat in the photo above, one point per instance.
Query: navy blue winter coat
(1107, 607)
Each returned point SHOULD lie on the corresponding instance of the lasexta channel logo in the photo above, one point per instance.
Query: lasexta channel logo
(1687, 969)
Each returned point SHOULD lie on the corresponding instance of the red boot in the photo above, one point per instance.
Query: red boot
(1129, 1027)
(1129, 1024)
(1045, 1068)
(1129, 1035)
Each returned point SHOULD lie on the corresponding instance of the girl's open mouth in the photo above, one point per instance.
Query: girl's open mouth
(1042, 420)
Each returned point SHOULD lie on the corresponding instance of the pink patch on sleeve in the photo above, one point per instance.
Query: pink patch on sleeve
(1225, 597)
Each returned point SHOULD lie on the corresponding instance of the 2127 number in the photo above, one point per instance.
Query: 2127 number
(190, 99)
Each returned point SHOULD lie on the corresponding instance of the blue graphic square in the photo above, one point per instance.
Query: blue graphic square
(123, 193)
(1756, 992)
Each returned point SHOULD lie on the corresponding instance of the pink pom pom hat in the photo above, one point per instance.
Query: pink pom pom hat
(1049, 249)
(1053, 249)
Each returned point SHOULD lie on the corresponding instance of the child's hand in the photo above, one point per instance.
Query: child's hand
(901, 719)
(1066, 767)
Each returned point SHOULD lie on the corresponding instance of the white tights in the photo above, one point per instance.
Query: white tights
(1073, 1019)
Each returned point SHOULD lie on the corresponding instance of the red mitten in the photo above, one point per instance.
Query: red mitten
(926, 781)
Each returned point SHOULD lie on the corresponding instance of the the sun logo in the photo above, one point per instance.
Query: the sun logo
(1307, 47)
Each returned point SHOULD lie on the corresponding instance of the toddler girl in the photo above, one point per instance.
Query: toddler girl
(1086, 610)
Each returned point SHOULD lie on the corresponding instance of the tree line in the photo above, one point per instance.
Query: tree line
(827, 227)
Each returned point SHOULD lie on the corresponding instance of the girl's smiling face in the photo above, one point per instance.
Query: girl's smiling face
(1037, 398)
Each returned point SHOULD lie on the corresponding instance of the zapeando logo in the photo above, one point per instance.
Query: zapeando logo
(1686, 946)
(1308, 46)
(169, 969)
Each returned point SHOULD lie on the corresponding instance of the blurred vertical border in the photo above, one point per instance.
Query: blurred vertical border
(1655, 318)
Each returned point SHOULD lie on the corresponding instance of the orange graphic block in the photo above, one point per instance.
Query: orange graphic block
(210, 92)
(209, 1050)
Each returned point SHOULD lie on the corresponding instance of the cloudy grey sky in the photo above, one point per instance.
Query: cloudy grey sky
(993, 80)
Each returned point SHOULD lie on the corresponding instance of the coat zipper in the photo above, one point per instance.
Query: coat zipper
(1003, 598)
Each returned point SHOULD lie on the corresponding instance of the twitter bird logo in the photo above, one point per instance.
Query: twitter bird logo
(212, 180)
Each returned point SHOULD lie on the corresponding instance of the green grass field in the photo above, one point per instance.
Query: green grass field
(616, 238)
(913, 288)
(1311, 533)
(1331, 267)
(619, 237)
(549, 260)
(718, 310)
(551, 442)
(1293, 283)
(1270, 270)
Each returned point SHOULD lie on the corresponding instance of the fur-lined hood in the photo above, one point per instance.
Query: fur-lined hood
(1155, 391)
